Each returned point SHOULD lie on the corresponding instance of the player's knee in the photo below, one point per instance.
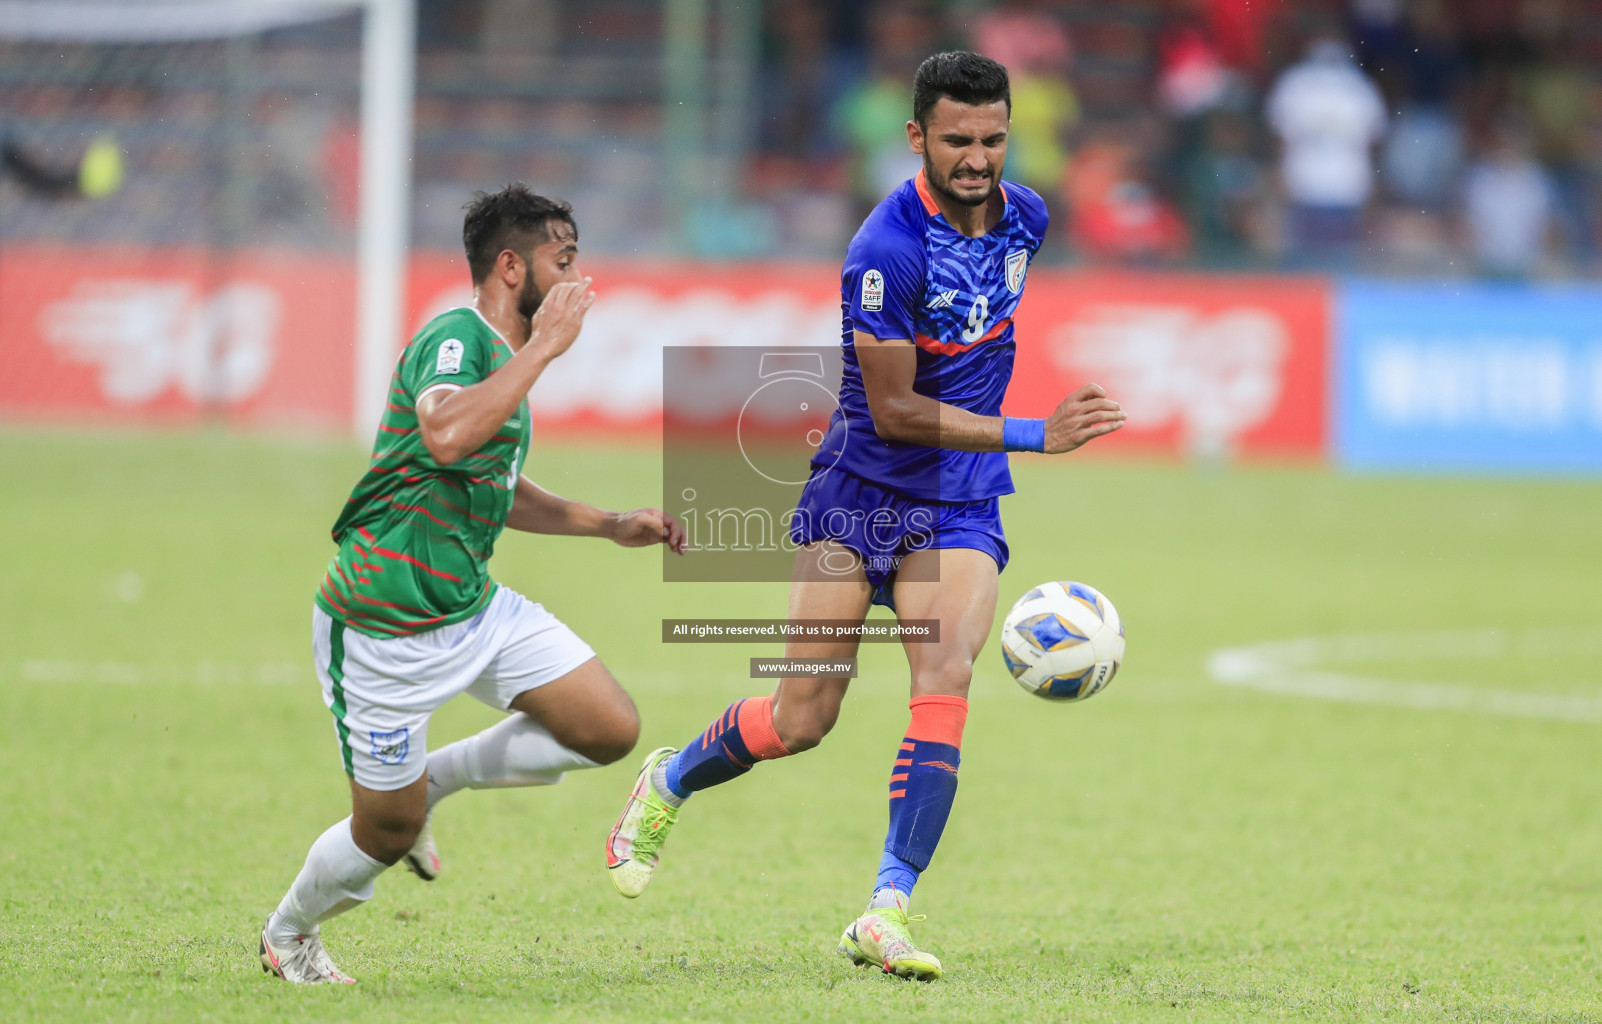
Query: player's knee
(805, 728)
(948, 678)
(619, 737)
(610, 737)
(389, 837)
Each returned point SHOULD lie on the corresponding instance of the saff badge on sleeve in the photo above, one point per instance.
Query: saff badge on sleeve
(449, 359)
(872, 291)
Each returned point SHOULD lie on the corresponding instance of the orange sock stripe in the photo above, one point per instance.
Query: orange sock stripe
(894, 793)
(903, 762)
(756, 728)
(938, 719)
(899, 777)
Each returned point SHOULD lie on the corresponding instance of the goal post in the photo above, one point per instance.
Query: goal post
(387, 89)
(389, 56)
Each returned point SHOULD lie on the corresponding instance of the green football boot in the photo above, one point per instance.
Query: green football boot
(635, 843)
(880, 937)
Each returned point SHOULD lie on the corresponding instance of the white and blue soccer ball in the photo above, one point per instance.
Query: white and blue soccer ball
(1063, 641)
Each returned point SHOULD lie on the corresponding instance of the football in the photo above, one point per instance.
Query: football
(1063, 641)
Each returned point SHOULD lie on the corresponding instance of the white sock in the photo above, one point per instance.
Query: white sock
(516, 751)
(337, 876)
(660, 784)
(887, 897)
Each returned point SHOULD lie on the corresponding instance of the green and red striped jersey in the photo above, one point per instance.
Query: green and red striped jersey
(415, 537)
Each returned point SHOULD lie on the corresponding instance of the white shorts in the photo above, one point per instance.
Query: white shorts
(382, 691)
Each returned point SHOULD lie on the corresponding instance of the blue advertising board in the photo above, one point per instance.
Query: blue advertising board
(1468, 377)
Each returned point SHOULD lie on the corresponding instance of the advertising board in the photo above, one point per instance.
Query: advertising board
(1469, 377)
(176, 336)
(1209, 366)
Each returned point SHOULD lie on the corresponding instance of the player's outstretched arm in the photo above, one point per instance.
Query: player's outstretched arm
(536, 510)
(889, 368)
(455, 424)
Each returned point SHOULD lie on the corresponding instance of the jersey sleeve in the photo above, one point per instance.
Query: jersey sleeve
(1036, 218)
(883, 278)
(442, 357)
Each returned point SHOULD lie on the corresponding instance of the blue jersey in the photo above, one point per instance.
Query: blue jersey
(910, 274)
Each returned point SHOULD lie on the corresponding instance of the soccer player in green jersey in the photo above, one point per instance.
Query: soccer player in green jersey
(408, 616)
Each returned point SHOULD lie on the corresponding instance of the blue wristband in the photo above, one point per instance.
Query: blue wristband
(1021, 435)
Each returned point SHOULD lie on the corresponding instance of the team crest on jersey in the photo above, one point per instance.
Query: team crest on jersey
(391, 747)
(1017, 267)
(449, 359)
(872, 291)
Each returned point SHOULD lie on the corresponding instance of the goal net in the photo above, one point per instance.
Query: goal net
(203, 209)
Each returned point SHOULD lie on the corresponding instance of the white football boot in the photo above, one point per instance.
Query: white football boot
(305, 963)
(423, 858)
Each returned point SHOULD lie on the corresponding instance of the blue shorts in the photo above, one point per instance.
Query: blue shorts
(883, 526)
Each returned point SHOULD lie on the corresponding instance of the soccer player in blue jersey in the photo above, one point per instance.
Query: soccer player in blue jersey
(903, 491)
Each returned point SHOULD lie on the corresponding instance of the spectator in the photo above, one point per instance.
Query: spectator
(1223, 192)
(1191, 76)
(1118, 217)
(798, 81)
(1328, 116)
(1561, 94)
(97, 174)
(1034, 46)
(1194, 83)
(1237, 28)
(1424, 151)
(1508, 205)
(873, 114)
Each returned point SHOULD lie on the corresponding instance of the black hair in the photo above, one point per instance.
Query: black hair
(513, 218)
(962, 76)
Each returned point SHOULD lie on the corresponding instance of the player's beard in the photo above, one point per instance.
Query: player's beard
(943, 186)
(529, 299)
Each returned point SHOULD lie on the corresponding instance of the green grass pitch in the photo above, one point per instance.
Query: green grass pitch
(1174, 850)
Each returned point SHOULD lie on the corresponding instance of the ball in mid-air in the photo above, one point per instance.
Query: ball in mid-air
(1063, 641)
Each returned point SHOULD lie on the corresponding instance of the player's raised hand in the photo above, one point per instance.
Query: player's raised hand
(560, 317)
(646, 526)
(1086, 414)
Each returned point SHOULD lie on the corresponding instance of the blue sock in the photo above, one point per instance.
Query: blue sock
(923, 786)
(895, 873)
(736, 740)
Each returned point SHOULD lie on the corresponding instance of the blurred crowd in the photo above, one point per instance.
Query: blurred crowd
(1400, 137)
(1381, 136)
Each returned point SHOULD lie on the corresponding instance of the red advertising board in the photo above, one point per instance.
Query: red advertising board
(611, 379)
(1205, 365)
(1229, 364)
(123, 335)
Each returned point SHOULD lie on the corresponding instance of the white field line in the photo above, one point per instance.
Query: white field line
(134, 673)
(69, 672)
(66, 671)
(1302, 667)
